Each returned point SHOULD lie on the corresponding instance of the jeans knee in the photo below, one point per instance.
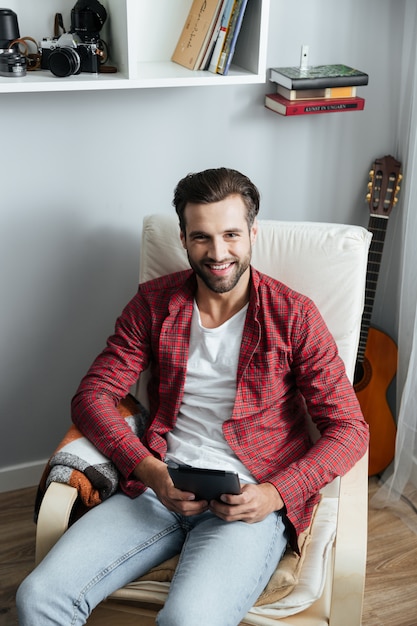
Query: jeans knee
(29, 597)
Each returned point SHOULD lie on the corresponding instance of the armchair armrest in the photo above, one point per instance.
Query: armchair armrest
(53, 518)
(350, 547)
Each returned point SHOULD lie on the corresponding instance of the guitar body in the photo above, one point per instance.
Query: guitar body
(378, 370)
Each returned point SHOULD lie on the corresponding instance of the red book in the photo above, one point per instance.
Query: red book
(281, 105)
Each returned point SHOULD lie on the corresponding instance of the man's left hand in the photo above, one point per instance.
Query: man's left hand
(253, 504)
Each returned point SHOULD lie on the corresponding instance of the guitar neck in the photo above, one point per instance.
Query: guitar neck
(378, 227)
(384, 187)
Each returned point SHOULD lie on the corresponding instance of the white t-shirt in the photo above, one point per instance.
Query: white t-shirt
(209, 395)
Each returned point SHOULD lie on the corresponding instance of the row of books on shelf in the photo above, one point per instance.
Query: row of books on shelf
(316, 89)
(208, 38)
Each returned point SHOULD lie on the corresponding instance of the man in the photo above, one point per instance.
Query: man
(235, 357)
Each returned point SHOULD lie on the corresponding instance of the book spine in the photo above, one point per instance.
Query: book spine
(229, 44)
(215, 59)
(312, 94)
(333, 107)
(236, 32)
(319, 82)
(204, 58)
(313, 108)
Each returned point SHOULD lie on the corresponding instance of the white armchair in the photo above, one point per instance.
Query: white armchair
(328, 263)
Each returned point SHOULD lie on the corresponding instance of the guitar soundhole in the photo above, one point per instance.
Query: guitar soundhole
(363, 374)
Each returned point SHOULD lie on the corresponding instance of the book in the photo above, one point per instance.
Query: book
(231, 37)
(224, 27)
(318, 76)
(311, 94)
(196, 33)
(279, 104)
(204, 58)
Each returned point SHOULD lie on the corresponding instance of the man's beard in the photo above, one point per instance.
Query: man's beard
(220, 284)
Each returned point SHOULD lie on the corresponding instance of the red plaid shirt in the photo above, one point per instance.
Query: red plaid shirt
(288, 359)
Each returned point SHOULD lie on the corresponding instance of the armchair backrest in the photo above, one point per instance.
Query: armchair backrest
(326, 262)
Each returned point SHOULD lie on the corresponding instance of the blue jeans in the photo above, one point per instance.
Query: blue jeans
(224, 566)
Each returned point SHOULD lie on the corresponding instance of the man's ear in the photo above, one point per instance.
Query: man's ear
(183, 240)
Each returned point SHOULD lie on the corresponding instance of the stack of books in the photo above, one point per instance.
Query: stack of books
(316, 89)
(208, 39)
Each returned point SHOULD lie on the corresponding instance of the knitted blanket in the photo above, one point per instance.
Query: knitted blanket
(78, 463)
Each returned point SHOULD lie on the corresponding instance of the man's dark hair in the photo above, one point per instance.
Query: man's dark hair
(214, 185)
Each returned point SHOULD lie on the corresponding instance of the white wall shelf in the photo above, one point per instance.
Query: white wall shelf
(142, 35)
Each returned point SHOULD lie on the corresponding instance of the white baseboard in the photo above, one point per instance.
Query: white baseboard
(21, 476)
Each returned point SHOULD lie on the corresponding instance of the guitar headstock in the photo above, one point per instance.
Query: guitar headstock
(384, 185)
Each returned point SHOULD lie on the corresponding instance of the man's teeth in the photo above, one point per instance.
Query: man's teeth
(220, 267)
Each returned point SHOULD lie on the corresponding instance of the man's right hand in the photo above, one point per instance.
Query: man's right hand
(154, 474)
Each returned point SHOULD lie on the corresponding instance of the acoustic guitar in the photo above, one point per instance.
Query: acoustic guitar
(376, 363)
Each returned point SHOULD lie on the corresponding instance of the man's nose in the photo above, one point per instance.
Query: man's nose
(218, 249)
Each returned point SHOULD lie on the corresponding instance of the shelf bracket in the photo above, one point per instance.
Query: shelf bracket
(304, 57)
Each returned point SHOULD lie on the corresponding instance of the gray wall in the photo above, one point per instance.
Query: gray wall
(78, 171)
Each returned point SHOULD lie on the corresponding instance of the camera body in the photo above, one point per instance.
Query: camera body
(68, 54)
(12, 63)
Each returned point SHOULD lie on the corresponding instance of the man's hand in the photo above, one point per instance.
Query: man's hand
(254, 504)
(154, 474)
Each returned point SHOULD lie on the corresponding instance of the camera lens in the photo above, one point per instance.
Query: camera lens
(64, 62)
(9, 28)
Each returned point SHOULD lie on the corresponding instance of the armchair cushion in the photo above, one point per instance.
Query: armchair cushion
(287, 573)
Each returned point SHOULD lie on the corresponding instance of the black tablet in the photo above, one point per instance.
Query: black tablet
(206, 484)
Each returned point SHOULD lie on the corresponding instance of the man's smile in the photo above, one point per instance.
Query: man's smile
(219, 268)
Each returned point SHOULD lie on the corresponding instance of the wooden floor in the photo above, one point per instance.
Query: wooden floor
(391, 585)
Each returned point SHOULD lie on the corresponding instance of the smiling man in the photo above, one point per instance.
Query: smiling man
(235, 358)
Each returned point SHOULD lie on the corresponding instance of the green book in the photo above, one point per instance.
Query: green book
(318, 76)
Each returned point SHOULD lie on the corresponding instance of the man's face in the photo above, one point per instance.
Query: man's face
(218, 242)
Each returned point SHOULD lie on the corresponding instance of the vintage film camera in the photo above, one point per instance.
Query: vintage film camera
(68, 55)
(81, 49)
(12, 63)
